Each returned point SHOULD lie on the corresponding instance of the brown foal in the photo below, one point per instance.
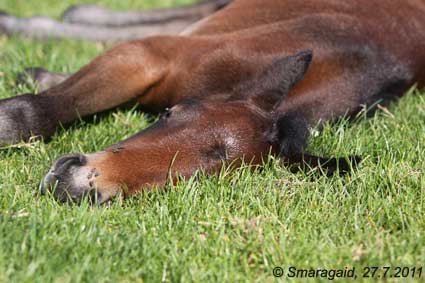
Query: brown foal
(240, 84)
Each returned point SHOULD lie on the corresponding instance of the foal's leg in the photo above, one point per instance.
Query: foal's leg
(123, 74)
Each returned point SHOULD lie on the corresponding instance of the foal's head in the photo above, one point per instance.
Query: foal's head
(192, 135)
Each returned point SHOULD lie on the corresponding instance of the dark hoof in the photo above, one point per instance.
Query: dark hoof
(29, 74)
(42, 77)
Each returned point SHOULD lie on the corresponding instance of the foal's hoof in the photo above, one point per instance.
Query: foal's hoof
(29, 74)
(43, 78)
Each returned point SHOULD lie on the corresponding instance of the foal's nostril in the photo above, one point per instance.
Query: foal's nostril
(63, 163)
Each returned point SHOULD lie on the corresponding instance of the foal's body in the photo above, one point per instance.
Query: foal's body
(362, 52)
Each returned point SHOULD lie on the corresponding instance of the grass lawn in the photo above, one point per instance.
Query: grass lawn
(231, 228)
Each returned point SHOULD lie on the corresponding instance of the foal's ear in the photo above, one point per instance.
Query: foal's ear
(269, 87)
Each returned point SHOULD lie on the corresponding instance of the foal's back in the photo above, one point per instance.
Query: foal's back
(364, 51)
(389, 24)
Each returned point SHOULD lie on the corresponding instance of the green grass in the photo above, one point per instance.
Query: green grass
(231, 228)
